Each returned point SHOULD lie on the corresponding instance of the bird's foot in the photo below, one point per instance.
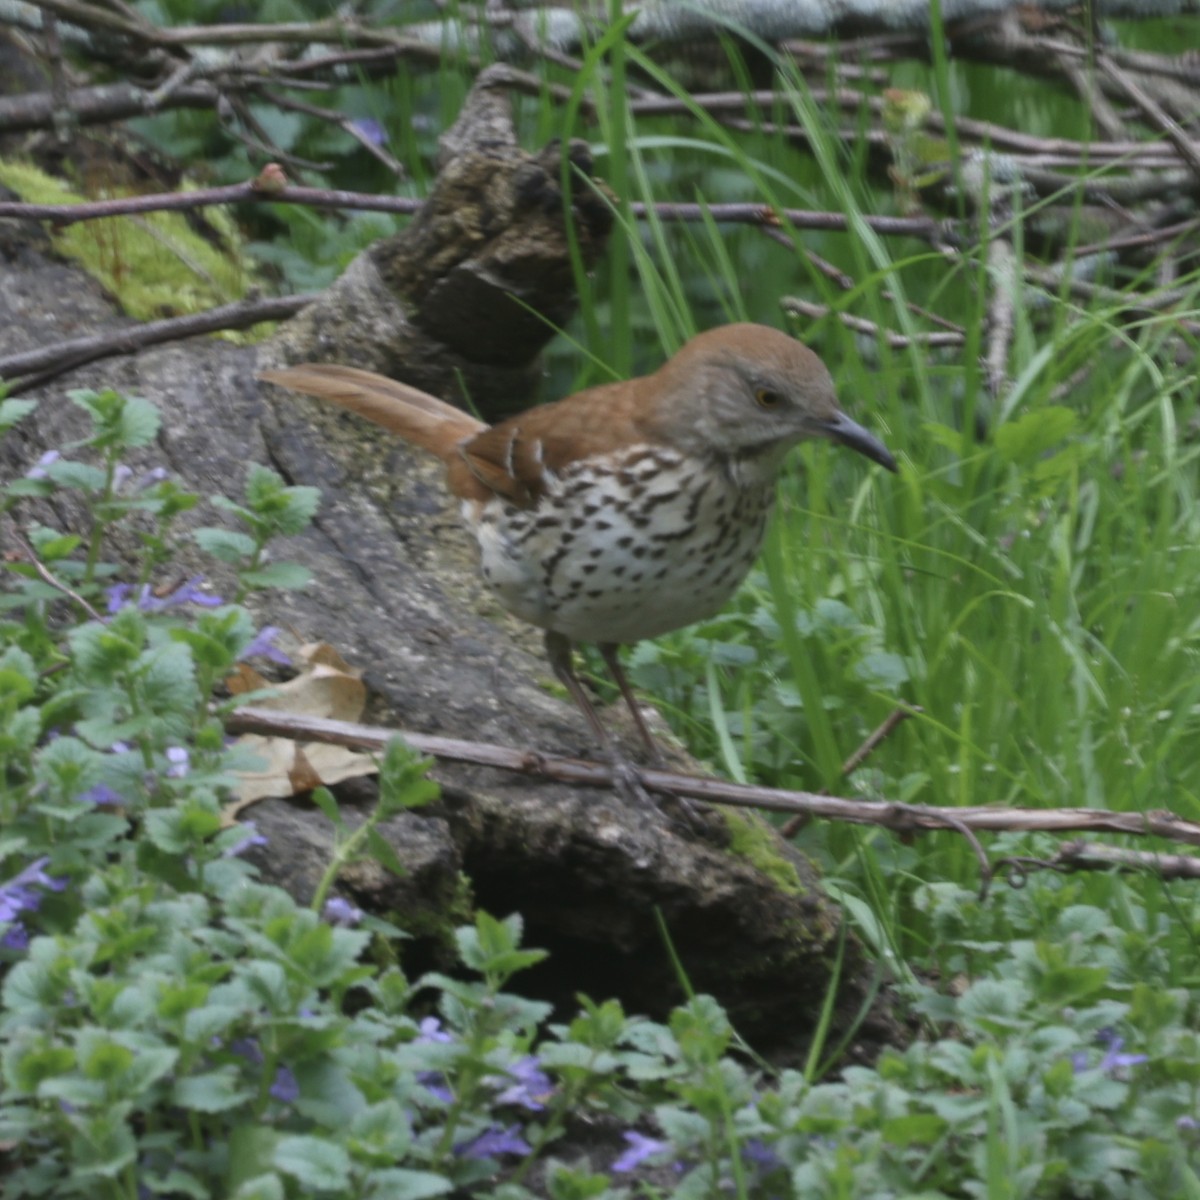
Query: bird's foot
(627, 780)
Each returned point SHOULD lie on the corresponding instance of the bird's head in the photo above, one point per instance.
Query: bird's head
(750, 392)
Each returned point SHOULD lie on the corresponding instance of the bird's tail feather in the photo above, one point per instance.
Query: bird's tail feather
(416, 416)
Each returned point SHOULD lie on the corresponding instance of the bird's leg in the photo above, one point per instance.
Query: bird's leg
(558, 651)
(612, 660)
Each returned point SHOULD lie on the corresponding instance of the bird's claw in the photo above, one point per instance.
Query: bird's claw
(627, 780)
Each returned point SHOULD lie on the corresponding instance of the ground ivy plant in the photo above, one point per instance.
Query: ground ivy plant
(171, 1026)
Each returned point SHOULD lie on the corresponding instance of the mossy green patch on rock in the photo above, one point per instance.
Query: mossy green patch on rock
(753, 839)
(155, 264)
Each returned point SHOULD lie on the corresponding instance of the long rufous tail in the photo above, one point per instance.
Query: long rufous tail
(416, 416)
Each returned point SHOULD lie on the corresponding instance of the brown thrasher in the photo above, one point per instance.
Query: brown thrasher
(628, 509)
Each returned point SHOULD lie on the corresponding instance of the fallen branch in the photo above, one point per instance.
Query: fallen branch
(1084, 856)
(900, 818)
(33, 367)
(256, 191)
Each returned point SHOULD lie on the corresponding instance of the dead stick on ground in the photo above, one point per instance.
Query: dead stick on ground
(50, 578)
(902, 818)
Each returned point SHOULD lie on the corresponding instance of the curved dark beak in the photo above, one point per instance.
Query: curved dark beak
(851, 433)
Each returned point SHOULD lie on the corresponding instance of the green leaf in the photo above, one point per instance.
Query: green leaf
(183, 829)
(68, 767)
(261, 1187)
(139, 422)
(168, 680)
(323, 798)
(1034, 433)
(920, 1129)
(251, 1148)
(380, 1133)
(1061, 986)
(285, 575)
(18, 675)
(103, 1144)
(571, 1056)
(228, 545)
(384, 853)
(211, 1091)
(101, 651)
(574, 1182)
(882, 670)
(401, 1184)
(82, 476)
(949, 438)
(12, 411)
(52, 549)
(175, 1182)
(282, 509)
(403, 781)
(26, 1068)
(315, 1162)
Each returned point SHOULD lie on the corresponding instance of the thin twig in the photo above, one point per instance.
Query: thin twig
(870, 744)
(1084, 856)
(1189, 151)
(60, 357)
(50, 578)
(237, 193)
(1002, 272)
(346, 124)
(878, 736)
(901, 818)
(242, 193)
(795, 306)
(1138, 241)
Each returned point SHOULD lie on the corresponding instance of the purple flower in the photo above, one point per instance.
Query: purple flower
(102, 796)
(430, 1030)
(150, 478)
(371, 130)
(120, 475)
(1114, 1060)
(757, 1153)
(640, 1149)
(180, 762)
(434, 1082)
(494, 1141)
(532, 1085)
(186, 593)
(16, 937)
(264, 644)
(116, 595)
(23, 893)
(38, 470)
(338, 911)
(1187, 1124)
(252, 838)
(285, 1089)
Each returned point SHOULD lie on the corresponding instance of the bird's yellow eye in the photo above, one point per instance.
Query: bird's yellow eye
(765, 398)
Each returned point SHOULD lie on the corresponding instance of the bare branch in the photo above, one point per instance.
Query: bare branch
(60, 357)
(901, 818)
(47, 576)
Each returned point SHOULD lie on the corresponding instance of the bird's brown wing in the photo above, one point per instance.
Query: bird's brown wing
(511, 459)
